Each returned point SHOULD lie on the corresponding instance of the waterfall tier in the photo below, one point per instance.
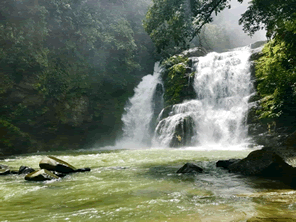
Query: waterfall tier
(217, 116)
(139, 111)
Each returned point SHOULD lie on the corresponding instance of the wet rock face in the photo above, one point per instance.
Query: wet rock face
(290, 140)
(183, 133)
(265, 163)
(190, 168)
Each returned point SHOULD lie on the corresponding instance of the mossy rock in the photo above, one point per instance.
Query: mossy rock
(55, 164)
(41, 175)
(177, 75)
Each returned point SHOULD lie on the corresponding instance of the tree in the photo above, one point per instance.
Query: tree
(270, 15)
(174, 23)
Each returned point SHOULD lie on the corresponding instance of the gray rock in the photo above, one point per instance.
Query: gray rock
(55, 164)
(40, 175)
(190, 168)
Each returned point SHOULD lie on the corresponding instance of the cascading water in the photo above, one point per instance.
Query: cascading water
(217, 117)
(139, 112)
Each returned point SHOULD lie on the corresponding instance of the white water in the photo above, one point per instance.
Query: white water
(223, 86)
(139, 112)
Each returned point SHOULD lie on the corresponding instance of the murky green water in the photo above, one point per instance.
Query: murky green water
(141, 185)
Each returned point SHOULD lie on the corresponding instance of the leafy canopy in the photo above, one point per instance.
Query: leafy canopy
(174, 23)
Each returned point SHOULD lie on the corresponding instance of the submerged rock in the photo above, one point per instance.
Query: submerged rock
(41, 175)
(190, 168)
(55, 164)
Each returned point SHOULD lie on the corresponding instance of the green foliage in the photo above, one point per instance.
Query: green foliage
(172, 24)
(12, 139)
(269, 14)
(276, 73)
(60, 58)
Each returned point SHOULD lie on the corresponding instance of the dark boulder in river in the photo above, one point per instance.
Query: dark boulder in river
(265, 163)
(55, 164)
(59, 166)
(190, 168)
(40, 175)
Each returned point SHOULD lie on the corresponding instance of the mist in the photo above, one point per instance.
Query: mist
(228, 20)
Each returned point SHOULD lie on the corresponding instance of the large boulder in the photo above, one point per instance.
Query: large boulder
(190, 168)
(262, 163)
(265, 163)
(54, 164)
(40, 175)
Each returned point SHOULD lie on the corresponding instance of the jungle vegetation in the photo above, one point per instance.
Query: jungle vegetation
(67, 68)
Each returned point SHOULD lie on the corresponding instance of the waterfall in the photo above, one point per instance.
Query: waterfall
(139, 112)
(217, 117)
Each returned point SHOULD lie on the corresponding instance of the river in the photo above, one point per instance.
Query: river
(142, 185)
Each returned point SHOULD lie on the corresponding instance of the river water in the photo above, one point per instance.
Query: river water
(142, 185)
